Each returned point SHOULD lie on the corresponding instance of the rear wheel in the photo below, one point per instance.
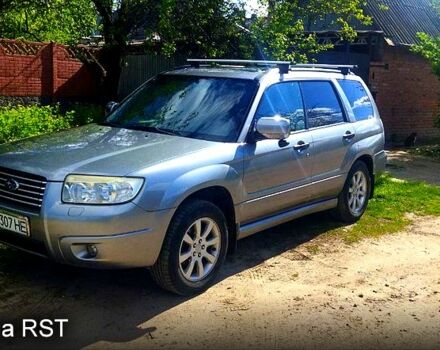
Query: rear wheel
(353, 200)
(193, 250)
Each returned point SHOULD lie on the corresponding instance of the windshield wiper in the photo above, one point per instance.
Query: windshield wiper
(156, 129)
(167, 131)
(106, 123)
(140, 127)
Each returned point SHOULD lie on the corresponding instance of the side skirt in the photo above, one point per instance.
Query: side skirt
(277, 219)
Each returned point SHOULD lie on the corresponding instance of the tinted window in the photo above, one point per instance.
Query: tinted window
(283, 99)
(199, 107)
(322, 104)
(358, 98)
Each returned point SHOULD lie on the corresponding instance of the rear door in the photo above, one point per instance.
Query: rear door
(333, 137)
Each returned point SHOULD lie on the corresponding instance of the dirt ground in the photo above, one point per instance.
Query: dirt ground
(407, 166)
(288, 287)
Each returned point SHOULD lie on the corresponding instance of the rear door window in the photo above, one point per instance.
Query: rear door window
(358, 98)
(321, 103)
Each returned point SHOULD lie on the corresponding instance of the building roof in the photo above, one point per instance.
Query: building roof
(401, 20)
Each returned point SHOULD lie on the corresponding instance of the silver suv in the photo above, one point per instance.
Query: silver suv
(192, 161)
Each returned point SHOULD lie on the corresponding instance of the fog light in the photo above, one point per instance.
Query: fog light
(92, 250)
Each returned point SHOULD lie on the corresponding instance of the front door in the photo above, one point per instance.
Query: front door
(277, 172)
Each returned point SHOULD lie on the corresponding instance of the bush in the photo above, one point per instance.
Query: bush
(429, 151)
(25, 121)
(437, 122)
(86, 114)
(18, 122)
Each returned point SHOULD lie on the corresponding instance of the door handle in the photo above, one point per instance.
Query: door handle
(349, 135)
(301, 145)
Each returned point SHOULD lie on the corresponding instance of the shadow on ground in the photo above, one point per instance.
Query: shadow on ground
(110, 305)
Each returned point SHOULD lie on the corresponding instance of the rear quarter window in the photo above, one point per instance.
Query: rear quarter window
(358, 98)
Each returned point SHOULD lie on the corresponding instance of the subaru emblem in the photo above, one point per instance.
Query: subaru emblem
(12, 185)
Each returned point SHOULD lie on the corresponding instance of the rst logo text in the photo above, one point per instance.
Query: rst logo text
(31, 328)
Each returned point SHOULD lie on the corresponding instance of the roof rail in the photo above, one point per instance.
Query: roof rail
(282, 65)
(344, 68)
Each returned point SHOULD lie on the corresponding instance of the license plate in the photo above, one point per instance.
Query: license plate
(15, 223)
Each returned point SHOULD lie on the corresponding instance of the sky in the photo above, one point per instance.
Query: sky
(251, 7)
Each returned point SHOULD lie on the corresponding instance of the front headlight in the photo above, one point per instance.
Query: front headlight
(84, 189)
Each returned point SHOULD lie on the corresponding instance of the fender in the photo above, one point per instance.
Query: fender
(221, 175)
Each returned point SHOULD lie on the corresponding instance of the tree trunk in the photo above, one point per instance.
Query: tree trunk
(110, 58)
(111, 53)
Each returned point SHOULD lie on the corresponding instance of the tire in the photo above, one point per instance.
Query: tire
(346, 211)
(183, 266)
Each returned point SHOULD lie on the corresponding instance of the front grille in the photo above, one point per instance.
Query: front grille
(30, 192)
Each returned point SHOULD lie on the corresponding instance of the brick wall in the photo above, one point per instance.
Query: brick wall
(45, 70)
(407, 94)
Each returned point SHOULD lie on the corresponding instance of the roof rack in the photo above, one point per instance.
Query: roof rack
(343, 68)
(282, 65)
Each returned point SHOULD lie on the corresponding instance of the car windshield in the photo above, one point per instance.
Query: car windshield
(199, 107)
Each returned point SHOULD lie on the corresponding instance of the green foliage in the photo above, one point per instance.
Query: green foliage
(429, 48)
(20, 122)
(63, 21)
(428, 151)
(202, 28)
(86, 113)
(436, 5)
(283, 33)
(25, 121)
(121, 17)
(384, 7)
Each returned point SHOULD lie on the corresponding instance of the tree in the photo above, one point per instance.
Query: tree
(63, 21)
(429, 47)
(119, 18)
(203, 28)
(198, 28)
(285, 32)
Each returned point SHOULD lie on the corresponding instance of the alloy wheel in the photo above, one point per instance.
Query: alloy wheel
(199, 249)
(357, 192)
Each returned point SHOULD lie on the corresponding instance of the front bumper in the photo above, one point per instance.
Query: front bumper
(124, 235)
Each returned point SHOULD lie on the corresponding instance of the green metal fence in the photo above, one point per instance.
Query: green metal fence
(138, 68)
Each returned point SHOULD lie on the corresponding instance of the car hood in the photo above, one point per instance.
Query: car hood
(95, 149)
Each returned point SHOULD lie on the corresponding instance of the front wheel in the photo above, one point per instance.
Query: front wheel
(193, 250)
(353, 200)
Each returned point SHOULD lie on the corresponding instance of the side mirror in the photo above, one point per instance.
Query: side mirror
(110, 107)
(275, 127)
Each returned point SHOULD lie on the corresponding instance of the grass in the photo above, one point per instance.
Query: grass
(387, 211)
(313, 249)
